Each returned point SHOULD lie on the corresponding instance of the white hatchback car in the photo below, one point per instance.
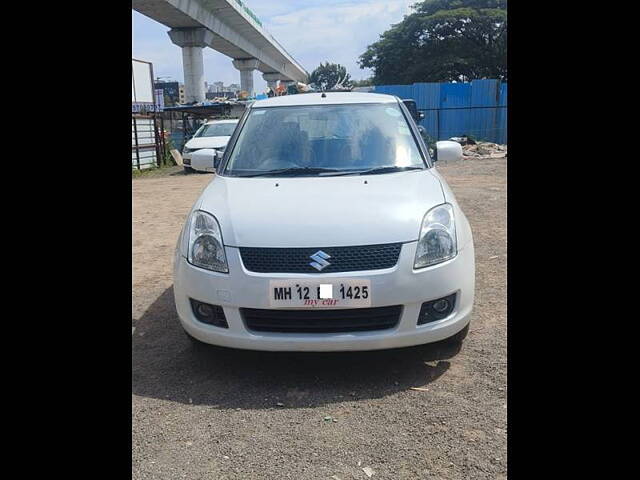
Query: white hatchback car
(214, 134)
(326, 228)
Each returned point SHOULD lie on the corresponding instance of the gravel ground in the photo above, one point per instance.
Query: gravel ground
(225, 414)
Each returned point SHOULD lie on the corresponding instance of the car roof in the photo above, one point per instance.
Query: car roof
(232, 120)
(330, 98)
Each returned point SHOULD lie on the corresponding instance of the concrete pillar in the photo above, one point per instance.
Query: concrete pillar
(246, 67)
(192, 41)
(193, 66)
(272, 79)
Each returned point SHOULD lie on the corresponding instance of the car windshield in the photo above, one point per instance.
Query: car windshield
(324, 140)
(216, 130)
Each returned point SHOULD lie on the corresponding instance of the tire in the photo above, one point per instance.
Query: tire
(459, 337)
(189, 170)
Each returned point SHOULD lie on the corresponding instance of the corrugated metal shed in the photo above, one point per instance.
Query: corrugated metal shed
(454, 109)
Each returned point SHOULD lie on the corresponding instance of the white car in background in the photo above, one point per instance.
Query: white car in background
(326, 227)
(214, 135)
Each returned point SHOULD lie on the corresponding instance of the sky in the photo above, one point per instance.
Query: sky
(337, 31)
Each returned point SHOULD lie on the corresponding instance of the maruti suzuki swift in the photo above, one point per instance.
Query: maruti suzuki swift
(326, 228)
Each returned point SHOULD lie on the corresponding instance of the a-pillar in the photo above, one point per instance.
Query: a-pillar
(192, 41)
(246, 67)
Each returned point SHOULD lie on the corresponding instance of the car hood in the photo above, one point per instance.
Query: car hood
(207, 142)
(321, 211)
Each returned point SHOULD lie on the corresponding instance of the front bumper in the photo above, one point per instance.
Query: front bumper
(400, 285)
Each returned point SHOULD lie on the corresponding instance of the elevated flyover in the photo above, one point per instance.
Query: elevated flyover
(229, 27)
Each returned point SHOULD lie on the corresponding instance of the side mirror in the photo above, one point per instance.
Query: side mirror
(204, 160)
(448, 151)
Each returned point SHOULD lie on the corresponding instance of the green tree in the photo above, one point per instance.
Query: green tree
(442, 41)
(329, 75)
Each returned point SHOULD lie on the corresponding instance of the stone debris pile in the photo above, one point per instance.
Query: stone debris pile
(484, 150)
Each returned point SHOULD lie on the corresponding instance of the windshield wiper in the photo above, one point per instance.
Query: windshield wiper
(291, 171)
(377, 170)
(333, 172)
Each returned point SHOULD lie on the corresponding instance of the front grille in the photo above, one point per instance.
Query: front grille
(321, 321)
(342, 259)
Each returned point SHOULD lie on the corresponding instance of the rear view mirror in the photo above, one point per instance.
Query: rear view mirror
(448, 151)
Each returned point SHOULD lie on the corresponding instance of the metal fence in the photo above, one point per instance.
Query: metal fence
(180, 128)
(182, 122)
(148, 148)
(477, 109)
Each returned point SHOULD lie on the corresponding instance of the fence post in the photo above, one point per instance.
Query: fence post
(135, 135)
(155, 139)
(164, 146)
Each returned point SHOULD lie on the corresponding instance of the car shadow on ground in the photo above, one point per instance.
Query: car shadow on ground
(165, 365)
(179, 173)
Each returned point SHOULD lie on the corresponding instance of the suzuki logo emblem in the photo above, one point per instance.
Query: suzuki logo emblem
(320, 260)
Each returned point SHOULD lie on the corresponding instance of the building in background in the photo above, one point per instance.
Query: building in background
(226, 94)
(216, 87)
(220, 88)
(174, 91)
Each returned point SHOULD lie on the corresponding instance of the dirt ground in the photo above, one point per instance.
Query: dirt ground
(215, 414)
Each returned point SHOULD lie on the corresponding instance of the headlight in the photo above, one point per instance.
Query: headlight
(206, 249)
(437, 242)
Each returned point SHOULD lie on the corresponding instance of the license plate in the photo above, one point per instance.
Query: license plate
(320, 294)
